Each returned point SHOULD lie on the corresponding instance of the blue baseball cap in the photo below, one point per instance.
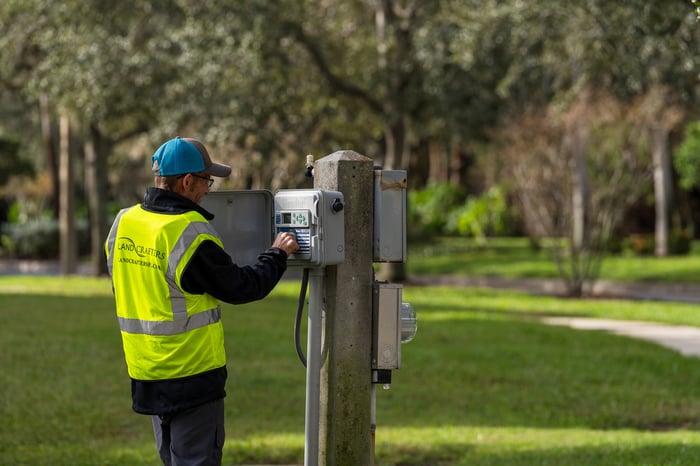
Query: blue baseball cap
(180, 156)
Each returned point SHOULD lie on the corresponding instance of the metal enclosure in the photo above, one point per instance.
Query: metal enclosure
(317, 219)
(386, 328)
(389, 216)
(244, 221)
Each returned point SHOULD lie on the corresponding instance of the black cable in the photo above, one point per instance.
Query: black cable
(300, 310)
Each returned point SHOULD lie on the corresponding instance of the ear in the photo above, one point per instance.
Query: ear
(182, 184)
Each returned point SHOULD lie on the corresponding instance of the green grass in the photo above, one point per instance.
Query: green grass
(483, 383)
(513, 258)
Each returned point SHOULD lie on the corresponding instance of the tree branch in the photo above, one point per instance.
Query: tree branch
(337, 83)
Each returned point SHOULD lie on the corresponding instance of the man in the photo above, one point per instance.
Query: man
(169, 271)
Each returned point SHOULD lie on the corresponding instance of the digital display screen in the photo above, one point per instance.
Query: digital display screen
(294, 218)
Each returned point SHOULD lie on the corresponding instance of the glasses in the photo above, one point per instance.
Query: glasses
(210, 181)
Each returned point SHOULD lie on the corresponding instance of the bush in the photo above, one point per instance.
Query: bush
(482, 216)
(444, 209)
(679, 243)
(39, 239)
(429, 208)
(641, 244)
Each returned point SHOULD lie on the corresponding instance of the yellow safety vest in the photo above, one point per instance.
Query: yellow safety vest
(167, 333)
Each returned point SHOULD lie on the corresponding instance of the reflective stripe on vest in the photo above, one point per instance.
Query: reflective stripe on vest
(167, 327)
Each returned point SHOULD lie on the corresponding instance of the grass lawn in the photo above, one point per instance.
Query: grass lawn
(483, 383)
(513, 258)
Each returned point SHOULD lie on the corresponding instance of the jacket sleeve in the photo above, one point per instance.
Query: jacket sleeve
(212, 271)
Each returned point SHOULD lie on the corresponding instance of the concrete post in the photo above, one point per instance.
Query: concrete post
(345, 418)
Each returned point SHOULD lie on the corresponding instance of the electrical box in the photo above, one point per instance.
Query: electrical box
(317, 219)
(243, 219)
(389, 216)
(386, 326)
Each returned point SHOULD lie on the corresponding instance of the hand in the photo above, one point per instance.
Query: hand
(287, 242)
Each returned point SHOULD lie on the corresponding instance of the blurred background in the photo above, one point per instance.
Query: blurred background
(570, 122)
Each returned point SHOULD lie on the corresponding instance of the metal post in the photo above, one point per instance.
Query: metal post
(373, 420)
(313, 366)
(345, 418)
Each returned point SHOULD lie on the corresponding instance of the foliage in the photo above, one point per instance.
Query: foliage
(687, 157)
(429, 208)
(481, 216)
(10, 163)
(264, 83)
(38, 239)
(641, 244)
(443, 208)
(679, 243)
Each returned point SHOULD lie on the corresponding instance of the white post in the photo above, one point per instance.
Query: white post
(313, 366)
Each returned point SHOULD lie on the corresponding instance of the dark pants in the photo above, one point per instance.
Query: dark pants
(191, 437)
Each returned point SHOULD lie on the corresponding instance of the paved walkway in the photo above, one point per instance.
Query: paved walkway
(685, 340)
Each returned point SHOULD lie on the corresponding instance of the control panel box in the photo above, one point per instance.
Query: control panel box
(317, 219)
(389, 244)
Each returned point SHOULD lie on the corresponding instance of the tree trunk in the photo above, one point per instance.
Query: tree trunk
(439, 168)
(579, 190)
(397, 154)
(457, 172)
(579, 249)
(95, 187)
(662, 189)
(68, 244)
(50, 150)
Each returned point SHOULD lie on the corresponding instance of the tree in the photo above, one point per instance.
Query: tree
(538, 158)
(395, 75)
(631, 50)
(83, 56)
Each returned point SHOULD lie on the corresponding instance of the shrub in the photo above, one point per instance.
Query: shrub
(481, 216)
(679, 243)
(642, 244)
(39, 239)
(429, 208)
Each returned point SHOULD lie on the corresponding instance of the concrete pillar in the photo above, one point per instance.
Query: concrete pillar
(344, 430)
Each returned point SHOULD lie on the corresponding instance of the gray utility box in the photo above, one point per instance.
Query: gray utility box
(389, 216)
(317, 218)
(244, 221)
(386, 326)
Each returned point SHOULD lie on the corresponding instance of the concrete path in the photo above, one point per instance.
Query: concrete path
(685, 340)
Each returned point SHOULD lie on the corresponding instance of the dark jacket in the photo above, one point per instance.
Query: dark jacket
(211, 271)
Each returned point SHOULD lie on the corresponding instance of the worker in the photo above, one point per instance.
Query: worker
(169, 274)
